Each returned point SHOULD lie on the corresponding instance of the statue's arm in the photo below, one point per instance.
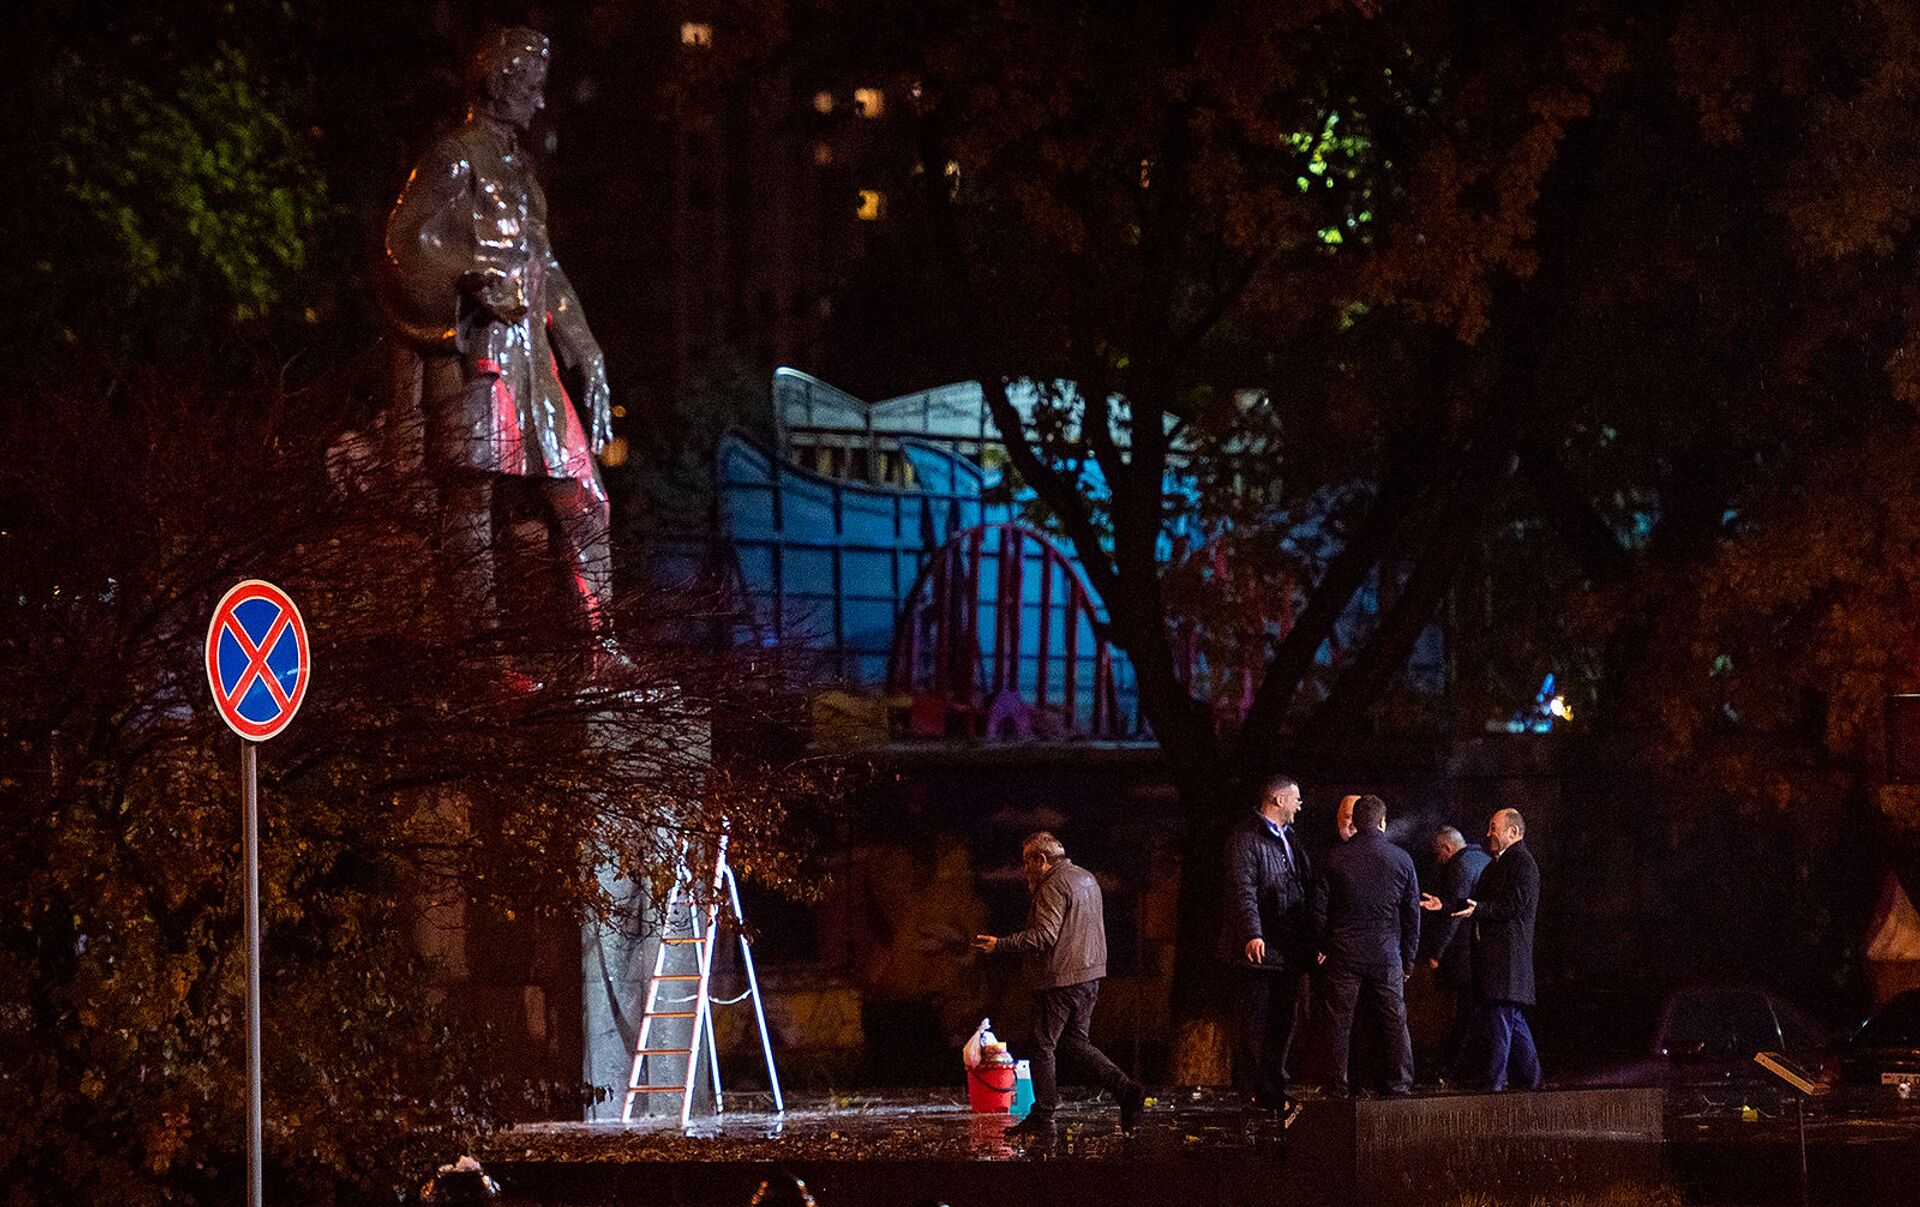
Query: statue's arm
(578, 352)
(430, 247)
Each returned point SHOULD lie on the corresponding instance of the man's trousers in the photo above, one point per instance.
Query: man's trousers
(1381, 991)
(1061, 1018)
(1504, 1041)
(1264, 1004)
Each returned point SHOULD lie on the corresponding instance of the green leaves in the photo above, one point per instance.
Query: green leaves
(201, 186)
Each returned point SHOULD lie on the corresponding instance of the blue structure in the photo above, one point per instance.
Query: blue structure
(880, 555)
(932, 592)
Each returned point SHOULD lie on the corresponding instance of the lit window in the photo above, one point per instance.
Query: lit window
(869, 102)
(822, 153)
(696, 33)
(823, 102)
(870, 205)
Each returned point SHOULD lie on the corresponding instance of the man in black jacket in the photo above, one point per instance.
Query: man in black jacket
(1449, 940)
(1265, 940)
(1502, 910)
(1366, 915)
(1063, 948)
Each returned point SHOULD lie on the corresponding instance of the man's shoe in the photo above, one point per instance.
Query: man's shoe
(1035, 1126)
(1132, 1102)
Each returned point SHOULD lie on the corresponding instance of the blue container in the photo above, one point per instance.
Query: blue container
(1022, 1088)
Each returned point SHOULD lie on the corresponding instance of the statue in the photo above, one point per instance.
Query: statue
(488, 333)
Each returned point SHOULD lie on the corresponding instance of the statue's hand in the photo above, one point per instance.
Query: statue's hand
(501, 294)
(599, 402)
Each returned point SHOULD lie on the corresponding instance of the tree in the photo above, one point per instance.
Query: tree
(1754, 638)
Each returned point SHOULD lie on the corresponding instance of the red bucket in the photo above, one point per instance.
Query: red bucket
(990, 1087)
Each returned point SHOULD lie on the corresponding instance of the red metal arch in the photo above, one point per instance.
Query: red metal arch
(937, 653)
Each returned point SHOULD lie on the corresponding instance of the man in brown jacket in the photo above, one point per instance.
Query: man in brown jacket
(1064, 952)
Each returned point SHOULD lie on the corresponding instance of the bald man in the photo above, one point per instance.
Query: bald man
(1343, 818)
(1502, 910)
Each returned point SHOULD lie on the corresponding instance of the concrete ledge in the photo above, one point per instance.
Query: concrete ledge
(1433, 1149)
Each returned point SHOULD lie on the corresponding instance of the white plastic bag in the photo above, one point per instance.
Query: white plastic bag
(970, 1054)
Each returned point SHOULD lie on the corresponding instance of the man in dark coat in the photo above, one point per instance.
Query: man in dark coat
(1063, 948)
(1502, 909)
(1449, 940)
(1265, 938)
(1366, 915)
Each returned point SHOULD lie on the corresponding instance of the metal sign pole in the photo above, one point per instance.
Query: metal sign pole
(250, 806)
(257, 688)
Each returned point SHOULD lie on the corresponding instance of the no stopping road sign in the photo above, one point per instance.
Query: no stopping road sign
(257, 659)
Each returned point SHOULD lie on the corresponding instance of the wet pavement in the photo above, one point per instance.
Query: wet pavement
(903, 1125)
(899, 1149)
(1862, 1148)
(908, 1149)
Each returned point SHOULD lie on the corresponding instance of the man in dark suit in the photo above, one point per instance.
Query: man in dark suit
(1448, 940)
(1265, 940)
(1366, 916)
(1502, 909)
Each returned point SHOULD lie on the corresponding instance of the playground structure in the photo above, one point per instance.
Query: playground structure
(934, 596)
(997, 634)
(878, 552)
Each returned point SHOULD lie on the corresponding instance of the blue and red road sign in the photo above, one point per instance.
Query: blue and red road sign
(257, 661)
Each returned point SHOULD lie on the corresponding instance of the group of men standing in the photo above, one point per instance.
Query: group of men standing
(1351, 933)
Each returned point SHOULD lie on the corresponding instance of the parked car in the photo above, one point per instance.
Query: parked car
(1886, 1049)
(1694, 1037)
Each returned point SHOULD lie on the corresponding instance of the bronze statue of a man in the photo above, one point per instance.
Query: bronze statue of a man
(489, 331)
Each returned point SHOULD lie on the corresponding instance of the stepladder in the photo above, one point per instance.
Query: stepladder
(676, 1033)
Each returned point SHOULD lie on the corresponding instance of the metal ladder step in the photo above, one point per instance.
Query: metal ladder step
(662, 1051)
(668, 1014)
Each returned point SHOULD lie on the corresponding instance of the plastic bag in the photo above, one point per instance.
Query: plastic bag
(971, 1053)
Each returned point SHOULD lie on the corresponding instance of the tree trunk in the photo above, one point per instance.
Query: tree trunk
(1201, 1052)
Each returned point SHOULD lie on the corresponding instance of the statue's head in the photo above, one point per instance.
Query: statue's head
(507, 78)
